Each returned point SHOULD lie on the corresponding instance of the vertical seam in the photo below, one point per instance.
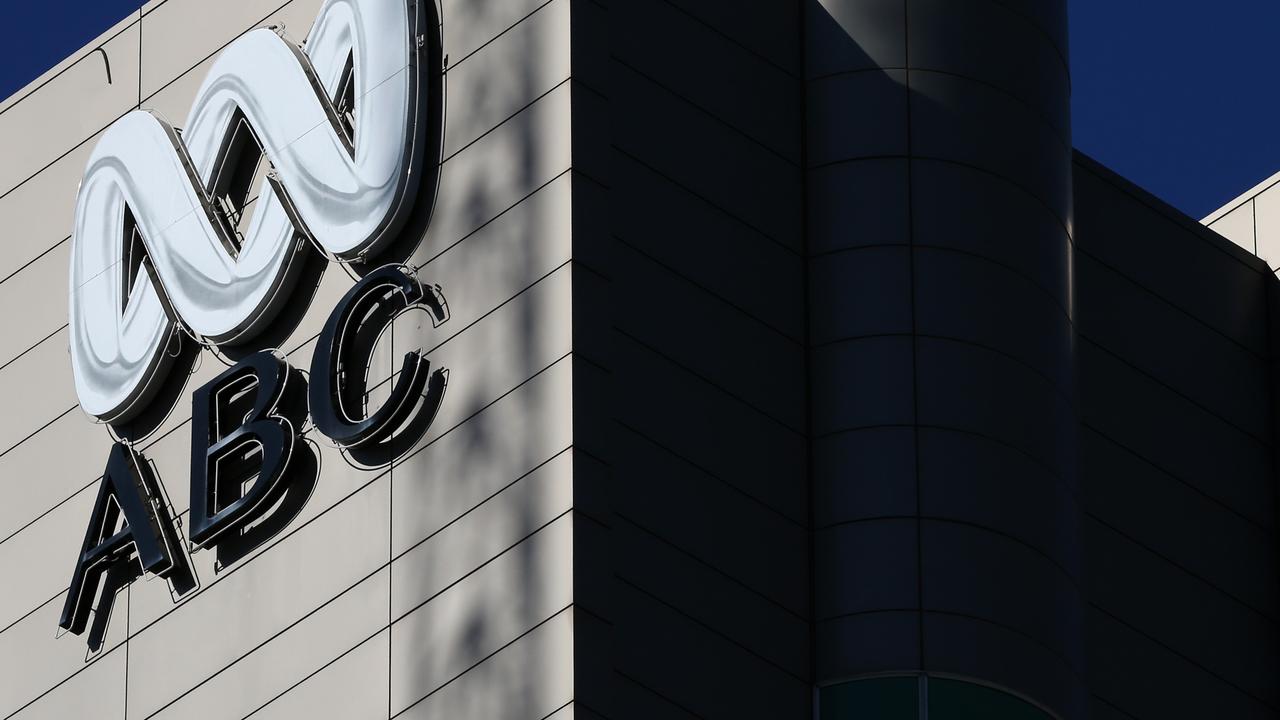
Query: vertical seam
(128, 596)
(810, 480)
(391, 522)
(915, 340)
(1253, 211)
(139, 88)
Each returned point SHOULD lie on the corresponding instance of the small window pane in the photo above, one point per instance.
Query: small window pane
(873, 699)
(956, 700)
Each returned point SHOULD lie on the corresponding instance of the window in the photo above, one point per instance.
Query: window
(899, 698)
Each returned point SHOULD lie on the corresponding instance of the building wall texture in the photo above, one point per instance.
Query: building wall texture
(943, 413)
(789, 345)
(440, 587)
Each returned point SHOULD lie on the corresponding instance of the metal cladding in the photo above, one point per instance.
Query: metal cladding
(943, 373)
(347, 191)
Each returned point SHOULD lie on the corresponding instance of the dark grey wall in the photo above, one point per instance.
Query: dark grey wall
(691, 398)
(1177, 460)
(943, 414)
(848, 399)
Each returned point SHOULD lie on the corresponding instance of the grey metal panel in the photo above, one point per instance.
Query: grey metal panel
(866, 382)
(749, 542)
(871, 465)
(526, 680)
(43, 311)
(1027, 65)
(710, 675)
(39, 382)
(1035, 331)
(970, 388)
(57, 534)
(644, 404)
(1172, 347)
(483, 89)
(1049, 18)
(435, 563)
(652, 123)
(1177, 436)
(1194, 264)
(468, 24)
(1155, 597)
(445, 634)
(1264, 212)
(977, 213)
(478, 374)
(961, 120)
(97, 691)
(1021, 588)
(860, 292)
(483, 461)
(982, 352)
(728, 81)
(1142, 678)
(843, 36)
(34, 660)
(289, 658)
(24, 470)
(1213, 552)
(42, 128)
(353, 686)
(37, 214)
(975, 648)
(706, 245)
(684, 323)
(984, 483)
(499, 170)
(1239, 225)
(866, 566)
(858, 115)
(853, 204)
(640, 702)
(770, 29)
(260, 598)
(704, 593)
(865, 643)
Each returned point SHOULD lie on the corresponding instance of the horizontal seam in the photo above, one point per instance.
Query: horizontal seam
(707, 381)
(722, 635)
(1182, 568)
(1161, 298)
(958, 251)
(1117, 619)
(486, 658)
(710, 566)
(798, 524)
(1059, 131)
(795, 163)
(961, 431)
(1185, 483)
(699, 286)
(1181, 221)
(1066, 574)
(1177, 393)
(693, 193)
(956, 163)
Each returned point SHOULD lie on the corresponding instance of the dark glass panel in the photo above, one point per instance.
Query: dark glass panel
(959, 700)
(891, 698)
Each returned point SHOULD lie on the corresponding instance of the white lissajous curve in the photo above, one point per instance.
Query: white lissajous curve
(350, 203)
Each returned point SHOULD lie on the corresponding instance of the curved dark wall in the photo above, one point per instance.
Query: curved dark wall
(938, 171)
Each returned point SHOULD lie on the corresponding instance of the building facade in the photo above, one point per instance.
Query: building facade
(785, 361)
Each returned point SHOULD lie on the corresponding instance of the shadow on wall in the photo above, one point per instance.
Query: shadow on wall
(939, 211)
(493, 603)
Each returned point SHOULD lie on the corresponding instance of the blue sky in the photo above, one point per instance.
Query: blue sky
(1177, 95)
